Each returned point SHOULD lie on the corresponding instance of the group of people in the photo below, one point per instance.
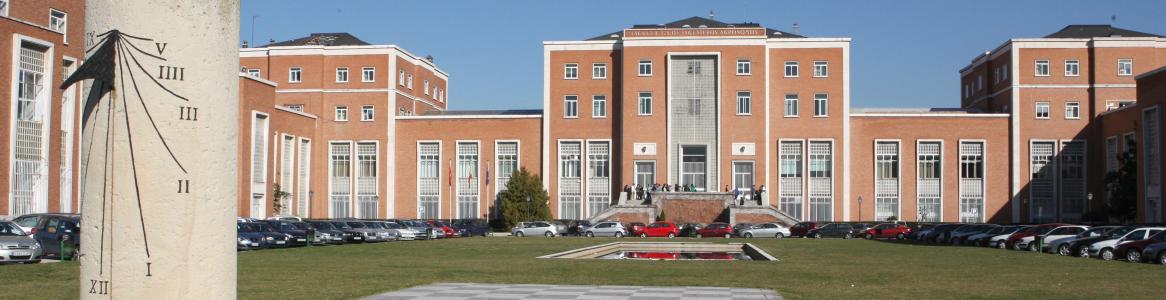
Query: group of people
(642, 193)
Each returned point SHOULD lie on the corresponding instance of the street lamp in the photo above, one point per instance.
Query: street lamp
(860, 208)
(529, 208)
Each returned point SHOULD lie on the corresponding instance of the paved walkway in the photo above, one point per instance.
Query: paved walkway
(460, 291)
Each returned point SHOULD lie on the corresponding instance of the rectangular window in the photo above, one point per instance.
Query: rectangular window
(1111, 153)
(368, 74)
(3, 8)
(821, 181)
(409, 81)
(401, 78)
(341, 74)
(571, 106)
(467, 180)
(791, 69)
(744, 103)
(295, 107)
(886, 180)
(645, 173)
(425, 87)
(507, 158)
(743, 183)
(645, 68)
(1115, 104)
(744, 67)
(570, 185)
(341, 113)
(253, 73)
(303, 201)
(293, 74)
(1072, 110)
(821, 106)
(1042, 110)
(57, 21)
(930, 181)
(598, 71)
(428, 180)
(790, 178)
(1004, 71)
(971, 182)
(980, 82)
(571, 71)
(366, 180)
(598, 177)
(1043, 183)
(694, 166)
(1072, 173)
(366, 113)
(791, 105)
(1125, 67)
(259, 149)
(821, 69)
(1042, 68)
(340, 171)
(599, 106)
(1072, 68)
(286, 170)
(645, 104)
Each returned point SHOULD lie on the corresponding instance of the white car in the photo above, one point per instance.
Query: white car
(1030, 243)
(975, 238)
(1000, 241)
(542, 228)
(766, 230)
(1061, 246)
(403, 233)
(1104, 249)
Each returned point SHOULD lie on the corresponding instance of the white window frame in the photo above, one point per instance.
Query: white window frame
(368, 74)
(1037, 68)
(341, 113)
(425, 86)
(1125, 67)
(898, 176)
(599, 71)
(642, 66)
(254, 73)
(641, 108)
(744, 66)
(63, 27)
(498, 175)
(571, 106)
(599, 106)
(295, 75)
(825, 105)
(367, 113)
(786, 105)
(1047, 110)
(459, 180)
(419, 178)
(304, 177)
(919, 178)
(983, 177)
(1076, 68)
(341, 74)
(744, 103)
(571, 71)
(409, 81)
(4, 8)
(791, 69)
(821, 69)
(401, 77)
(1076, 106)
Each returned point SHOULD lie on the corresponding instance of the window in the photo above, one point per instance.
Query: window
(1042, 68)
(791, 105)
(259, 148)
(340, 183)
(293, 74)
(253, 73)
(1042, 110)
(743, 179)
(930, 180)
(304, 178)
(1072, 68)
(4, 8)
(645, 173)
(366, 180)
(571, 106)
(1072, 110)
(1111, 154)
(821, 183)
(341, 74)
(570, 185)
(645, 68)
(1125, 67)
(886, 179)
(409, 81)
(425, 87)
(1043, 184)
(368, 74)
(790, 178)
(57, 20)
(401, 78)
(744, 106)
(366, 113)
(1004, 71)
(744, 67)
(428, 180)
(598, 71)
(507, 158)
(645, 104)
(694, 166)
(467, 180)
(821, 69)
(971, 182)
(341, 113)
(598, 106)
(791, 69)
(598, 177)
(821, 106)
(295, 107)
(571, 71)
(980, 82)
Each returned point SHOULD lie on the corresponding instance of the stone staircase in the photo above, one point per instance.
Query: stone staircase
(692, 207)
(757, 214)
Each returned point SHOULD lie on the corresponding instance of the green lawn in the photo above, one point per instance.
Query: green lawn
(814, 269)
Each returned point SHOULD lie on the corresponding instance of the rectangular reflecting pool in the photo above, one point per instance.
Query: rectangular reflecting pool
(662, 255)
(668, 251)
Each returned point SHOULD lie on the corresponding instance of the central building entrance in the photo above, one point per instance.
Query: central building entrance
(692, 125)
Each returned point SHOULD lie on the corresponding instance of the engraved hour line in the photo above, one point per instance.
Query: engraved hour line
(133, 159)
(134, 81)
(187, 113)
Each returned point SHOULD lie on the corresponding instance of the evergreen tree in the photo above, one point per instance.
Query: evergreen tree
(524, 199)
(1122, 185)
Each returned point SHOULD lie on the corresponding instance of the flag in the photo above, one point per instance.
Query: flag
(450, 174)
(487, 175)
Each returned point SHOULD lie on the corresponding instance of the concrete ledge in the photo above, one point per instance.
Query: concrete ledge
(604, 249)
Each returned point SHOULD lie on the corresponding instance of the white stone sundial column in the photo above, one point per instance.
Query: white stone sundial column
(159, 147)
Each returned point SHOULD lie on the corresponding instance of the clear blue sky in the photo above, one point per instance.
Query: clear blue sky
(903, 53)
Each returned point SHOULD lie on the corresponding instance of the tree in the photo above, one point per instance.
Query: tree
(1122, 185)
(524, 199)
(277, 196)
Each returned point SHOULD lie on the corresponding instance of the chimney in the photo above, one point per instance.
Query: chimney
(429, 58)
(796, 27)
(244, 45)
(712, 15)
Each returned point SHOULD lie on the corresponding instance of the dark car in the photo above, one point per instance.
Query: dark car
(635, 228)
(353, 235)
(860, 227)
(472, 227)
(297, 230)
(741, 226)
(919, 230)
(833, 230)
(1080, 247)
(939, 234)
(1132, 251)
(274, 238)
(803, 229)
(30, 222)
(326, 233)
(248, 237)
(690, 229)
(577, 228)
(1013, 241)
(719, 229)
(58, 235)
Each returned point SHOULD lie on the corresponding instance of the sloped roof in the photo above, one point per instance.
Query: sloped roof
(324, 39)
(698, 22)
(1092, 31)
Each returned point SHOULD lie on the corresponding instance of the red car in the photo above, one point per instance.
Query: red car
(886, 231)
(445, 229)
(1014, 239)
(636, 228)
(716, 229)
(661, 229)
(803, 228)
(1132, 251)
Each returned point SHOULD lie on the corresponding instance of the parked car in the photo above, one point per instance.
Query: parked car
(803, 229)
(383, 233)
(690, 229)
(887, 230)
(444, 228)
(766, 230)
(978, 239)
(298, 231)
(248, 237)
(578, 227)
(403, 233)
(1105, 249)
(861, 227)
(613, 229)
(326, 233)
(834, 230)
(919, 231)
(939, 233)
(58, 233)
(1060, 246)
(961, 235)
(355, 235)
(538, 228)
(1039, 242)
(16, 246)
(29, 222)
(636, 228)
(1080, 247)
(1132, 251)
(661, 229)
(1155, 253)
(1013, 241)
(741, 226)
(424, 231)
(719, 229)
(274, 238)
(472, 227)
(1001, 241)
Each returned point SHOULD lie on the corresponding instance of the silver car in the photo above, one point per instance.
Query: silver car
(16, 246)
(403, 233)
(614, 229)
(766, 230)
(542, 228)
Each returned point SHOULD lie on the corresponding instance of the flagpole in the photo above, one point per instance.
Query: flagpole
(452, 197)
(488, 202)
